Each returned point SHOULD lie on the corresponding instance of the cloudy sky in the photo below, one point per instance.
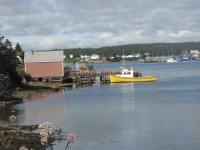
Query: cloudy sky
(50, 24)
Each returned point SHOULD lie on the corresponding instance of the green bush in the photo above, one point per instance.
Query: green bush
(23, 74)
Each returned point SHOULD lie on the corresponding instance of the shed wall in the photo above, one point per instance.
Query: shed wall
(45, 69)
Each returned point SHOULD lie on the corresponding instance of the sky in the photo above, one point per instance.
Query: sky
(60, 24)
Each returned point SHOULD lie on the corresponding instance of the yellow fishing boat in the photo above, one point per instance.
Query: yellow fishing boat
(130, 75)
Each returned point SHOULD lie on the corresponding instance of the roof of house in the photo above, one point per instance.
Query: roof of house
(43, 56)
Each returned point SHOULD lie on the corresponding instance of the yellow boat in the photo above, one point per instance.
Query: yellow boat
(130, 75)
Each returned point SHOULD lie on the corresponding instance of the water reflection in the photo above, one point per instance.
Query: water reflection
(43, 95)
(160, 115)
(125, 89)
(39, 105)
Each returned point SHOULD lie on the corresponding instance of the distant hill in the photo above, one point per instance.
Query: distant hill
(153, 48)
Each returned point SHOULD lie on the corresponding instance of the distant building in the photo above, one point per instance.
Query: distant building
(95, 56)
(71, 56)
(195, 53)
(129, 56)
(137, 55)
(85, 56)
(123, 56)
(44, 64)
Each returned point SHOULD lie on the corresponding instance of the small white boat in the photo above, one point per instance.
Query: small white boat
(172, 60)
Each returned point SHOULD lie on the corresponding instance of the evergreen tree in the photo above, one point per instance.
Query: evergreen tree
(115, 59)
(18, 48)
(20, 52)
(8, 61)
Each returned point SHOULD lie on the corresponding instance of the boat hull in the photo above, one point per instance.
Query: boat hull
(118, 79)
(172, 60)
(188, 59)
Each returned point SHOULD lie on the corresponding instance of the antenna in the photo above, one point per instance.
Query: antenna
(123, 60)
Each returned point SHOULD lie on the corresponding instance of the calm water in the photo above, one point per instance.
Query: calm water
(144, 116)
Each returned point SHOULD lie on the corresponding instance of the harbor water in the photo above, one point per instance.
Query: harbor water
(145, 116)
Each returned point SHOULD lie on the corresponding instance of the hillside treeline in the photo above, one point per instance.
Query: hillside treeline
(155, 49)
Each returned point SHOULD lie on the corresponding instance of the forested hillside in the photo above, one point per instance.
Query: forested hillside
(154, 49)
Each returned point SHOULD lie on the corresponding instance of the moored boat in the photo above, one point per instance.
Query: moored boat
(130, 75)
(188, 58)
(172, 60)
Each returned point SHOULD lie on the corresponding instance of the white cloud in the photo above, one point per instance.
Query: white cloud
(105, 35)
(180, 33)
(47, 43)
(87, 23)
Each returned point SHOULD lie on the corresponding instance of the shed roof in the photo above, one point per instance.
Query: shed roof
(43, 56)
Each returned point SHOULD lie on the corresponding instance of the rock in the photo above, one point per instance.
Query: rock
(13, 117)
(15, 137)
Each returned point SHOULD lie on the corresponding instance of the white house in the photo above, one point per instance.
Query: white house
(123, 56)
(71, 56)
(137, 55)
(194, 51)
(85, 56)
(95, 56)
(130, 56)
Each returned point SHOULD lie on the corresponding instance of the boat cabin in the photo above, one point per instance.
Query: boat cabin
(130, 73)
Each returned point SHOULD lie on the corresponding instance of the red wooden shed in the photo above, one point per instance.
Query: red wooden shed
(44, 64)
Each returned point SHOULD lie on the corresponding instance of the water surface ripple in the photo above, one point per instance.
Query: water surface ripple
(158, 115)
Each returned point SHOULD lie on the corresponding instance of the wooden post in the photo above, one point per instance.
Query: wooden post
(101, 79)
(80, 80)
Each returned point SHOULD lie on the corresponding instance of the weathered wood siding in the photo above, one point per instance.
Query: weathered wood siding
(44, 64)
(45, 69)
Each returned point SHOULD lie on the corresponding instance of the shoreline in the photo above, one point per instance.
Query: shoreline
(13, 136)
(25, 90)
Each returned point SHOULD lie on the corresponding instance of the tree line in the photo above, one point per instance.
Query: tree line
(154, 49)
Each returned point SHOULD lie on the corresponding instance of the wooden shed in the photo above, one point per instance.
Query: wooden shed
(44, 64)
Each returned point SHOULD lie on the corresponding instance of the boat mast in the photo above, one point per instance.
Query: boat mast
(123, 60)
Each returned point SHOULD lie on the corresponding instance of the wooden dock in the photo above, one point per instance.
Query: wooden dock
(88, 77)
(81, 78)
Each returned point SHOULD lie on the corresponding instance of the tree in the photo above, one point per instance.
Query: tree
(5, 84)
(19, 52)
(107, 58)
(18, 48)
(115, 59)
(8, 61)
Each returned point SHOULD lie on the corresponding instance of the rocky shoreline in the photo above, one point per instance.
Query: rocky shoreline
(14, 137)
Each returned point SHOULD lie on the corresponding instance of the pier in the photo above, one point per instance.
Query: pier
(157, 59)
(89, 77)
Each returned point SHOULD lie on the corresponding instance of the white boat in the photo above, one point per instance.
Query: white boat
(172, 60)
